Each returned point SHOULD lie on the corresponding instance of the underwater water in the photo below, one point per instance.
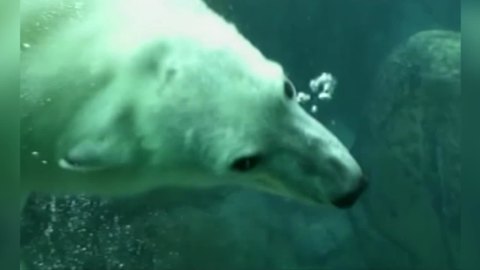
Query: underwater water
(395, 105)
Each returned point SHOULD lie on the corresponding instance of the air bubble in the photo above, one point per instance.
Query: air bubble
(303, 97)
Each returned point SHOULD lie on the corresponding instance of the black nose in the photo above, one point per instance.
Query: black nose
(347, 200)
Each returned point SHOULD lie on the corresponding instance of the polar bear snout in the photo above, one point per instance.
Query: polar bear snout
(320, 168)
(348, 200)
(347, 179)
(342, 178)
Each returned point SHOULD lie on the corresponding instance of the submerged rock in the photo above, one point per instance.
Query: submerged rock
(410, 148)
(180, 230)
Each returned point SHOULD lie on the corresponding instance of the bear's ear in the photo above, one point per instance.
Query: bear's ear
(151, 59)
(154, 61)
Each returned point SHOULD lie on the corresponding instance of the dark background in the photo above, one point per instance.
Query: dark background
(348, 38)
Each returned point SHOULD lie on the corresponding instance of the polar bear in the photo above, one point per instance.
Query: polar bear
(120, 97)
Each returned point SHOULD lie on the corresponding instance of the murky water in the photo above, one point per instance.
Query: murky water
(393, 99)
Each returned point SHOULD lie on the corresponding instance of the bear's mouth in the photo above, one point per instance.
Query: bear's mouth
(77, 166)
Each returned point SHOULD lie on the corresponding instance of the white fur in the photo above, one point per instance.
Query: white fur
(148, 93)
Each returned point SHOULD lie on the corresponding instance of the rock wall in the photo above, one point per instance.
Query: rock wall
(410, 148)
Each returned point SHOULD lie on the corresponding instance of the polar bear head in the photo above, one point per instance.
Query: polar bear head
(200, 106)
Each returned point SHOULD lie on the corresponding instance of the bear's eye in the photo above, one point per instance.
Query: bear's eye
(245, 164)
(289, 89)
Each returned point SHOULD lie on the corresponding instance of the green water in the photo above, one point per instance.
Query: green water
(397, 106)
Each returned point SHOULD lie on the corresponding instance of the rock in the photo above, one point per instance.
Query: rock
(177, 230)
(410, 148)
